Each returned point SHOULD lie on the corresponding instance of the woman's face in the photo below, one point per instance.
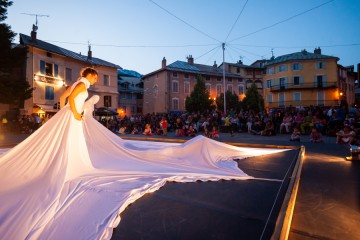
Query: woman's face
(92, 78)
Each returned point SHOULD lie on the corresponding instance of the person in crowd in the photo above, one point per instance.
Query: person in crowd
(307, 123)
(269, 129)
(164, 125)
(295, 136)
(191, 131)
(214, 133)
(315, 136)
(345, 136)
(286, 123)
(147, 130)
(179, 127)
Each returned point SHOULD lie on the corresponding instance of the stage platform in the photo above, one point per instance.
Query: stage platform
(260, 208)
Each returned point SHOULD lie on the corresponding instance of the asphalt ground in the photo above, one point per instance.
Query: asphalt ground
(327, 204)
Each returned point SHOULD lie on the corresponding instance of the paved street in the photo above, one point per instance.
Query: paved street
(328, 201)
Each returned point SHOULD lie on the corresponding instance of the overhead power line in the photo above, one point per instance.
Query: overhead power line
(282, 21)
(236, 20)
(196, 29)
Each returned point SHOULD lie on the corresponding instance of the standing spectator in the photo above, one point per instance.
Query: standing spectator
(4, 123)
(178, 127)
(164, 126)
(315, 136)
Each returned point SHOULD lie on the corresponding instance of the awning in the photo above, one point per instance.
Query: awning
(47, 108)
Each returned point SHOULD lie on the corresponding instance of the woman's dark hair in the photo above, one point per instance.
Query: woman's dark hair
(88, 70)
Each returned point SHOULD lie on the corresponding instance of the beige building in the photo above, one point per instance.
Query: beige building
(302, 79)
(253, 73)
(166, 89)
(50, 69)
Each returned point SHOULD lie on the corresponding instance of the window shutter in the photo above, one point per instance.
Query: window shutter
(324, 81)
(286, 82)
(315, 81)
(292, 81)
(301, 80)
(56, 70)
(300, 66)
(42, 67)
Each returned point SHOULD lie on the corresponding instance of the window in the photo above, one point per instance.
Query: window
(230, 88)
(269, 98)
(68, 74)
(320, 65)
(269, 83)
(237, 70)
(49, 69)
(241, 90)
(297, 97)
(321, 98)
(240, 80)
(106, 80)
(186, 87)
(175, 86)
(258, 84)
(248, 83)
(219, 79)
(270, 70)
(296, 66)
(229, 79)
(128, 96)
(107, 101)
(319, 82)
(282, 83)
(175, 104)
(174, 74)
(124, 108)
(296, 80)
(218, 89)
(207, 78)
(186, 75)
(208, 87)
(49, 93)
(282, 68)
(133, 109)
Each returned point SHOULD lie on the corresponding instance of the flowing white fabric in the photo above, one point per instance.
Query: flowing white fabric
(71, 179)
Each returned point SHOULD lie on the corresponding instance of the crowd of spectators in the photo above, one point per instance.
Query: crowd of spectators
(311, 122)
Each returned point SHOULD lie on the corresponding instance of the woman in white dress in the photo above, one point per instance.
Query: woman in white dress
(72, 177)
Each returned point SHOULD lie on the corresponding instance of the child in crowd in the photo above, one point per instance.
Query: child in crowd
(315, 136)
(214, 133)
(295, 136)
(122, 129)
(191, 131)
(147, 130)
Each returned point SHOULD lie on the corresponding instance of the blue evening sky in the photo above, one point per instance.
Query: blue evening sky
(137, 34)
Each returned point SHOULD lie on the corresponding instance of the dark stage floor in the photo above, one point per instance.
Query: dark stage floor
(214, 210)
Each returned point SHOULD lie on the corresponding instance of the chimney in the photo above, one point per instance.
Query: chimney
(215, 65)
(317, 50)
(33, 33)
(89, 53)
(163, 63)
(190, 59)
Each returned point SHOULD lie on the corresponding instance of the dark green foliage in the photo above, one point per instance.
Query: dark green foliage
(14, 88)
(199, 99)
(232, 101)
(253, 100)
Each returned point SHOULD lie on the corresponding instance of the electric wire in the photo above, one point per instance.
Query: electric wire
(282, 21)
(236, 20)
(207, 52)
(196, 29)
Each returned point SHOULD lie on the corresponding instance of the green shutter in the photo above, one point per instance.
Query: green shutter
(324, 80)
(301, 80)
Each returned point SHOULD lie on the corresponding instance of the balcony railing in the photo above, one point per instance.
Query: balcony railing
(48, 79)
(288, 87)
(303, 103)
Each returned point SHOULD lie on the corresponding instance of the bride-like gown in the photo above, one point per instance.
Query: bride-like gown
(71, 179)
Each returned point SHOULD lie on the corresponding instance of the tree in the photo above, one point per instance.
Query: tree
(199, 99)
(253, 101)
(232, 101)
(14, 88)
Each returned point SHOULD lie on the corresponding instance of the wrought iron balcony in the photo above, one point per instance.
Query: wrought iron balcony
(303, 86)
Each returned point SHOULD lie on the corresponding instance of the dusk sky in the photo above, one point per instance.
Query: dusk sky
(137, 34)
